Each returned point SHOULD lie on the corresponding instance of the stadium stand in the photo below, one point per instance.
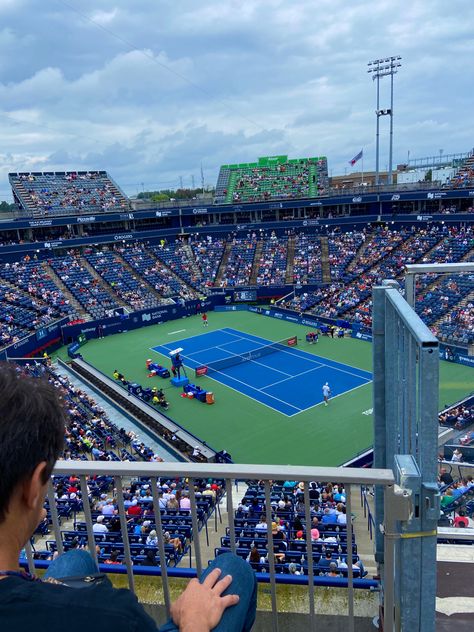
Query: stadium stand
(271, 264)
(139, 275)
(342, 250)
(208, 252)
(143, 260)
(239, 264)
(83, 286)
(128, 287)
(272, 178)
(328, 529)
(179, 258)
(66, 193)
(464, 176)
(307, 259)
(29, 299)
(90, 435)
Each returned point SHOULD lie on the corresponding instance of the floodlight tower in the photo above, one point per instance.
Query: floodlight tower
(383, 68)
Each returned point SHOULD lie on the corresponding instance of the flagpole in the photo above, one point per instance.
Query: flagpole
(362, 175)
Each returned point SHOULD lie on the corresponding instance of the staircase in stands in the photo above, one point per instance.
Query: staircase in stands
(79, 309)
(103, 284)
(325, 268)
(138, 277)
(290, 260)
(223, 266)
(256, 263)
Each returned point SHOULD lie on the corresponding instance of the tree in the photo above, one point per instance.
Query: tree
(5, 207)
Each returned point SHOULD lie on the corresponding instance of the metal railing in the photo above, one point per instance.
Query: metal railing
(122, 473)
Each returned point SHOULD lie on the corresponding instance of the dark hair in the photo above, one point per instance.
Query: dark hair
(32, 422)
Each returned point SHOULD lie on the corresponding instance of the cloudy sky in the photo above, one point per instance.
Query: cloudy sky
(151, 89)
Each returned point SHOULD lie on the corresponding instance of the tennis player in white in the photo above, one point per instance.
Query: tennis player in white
(326, 393)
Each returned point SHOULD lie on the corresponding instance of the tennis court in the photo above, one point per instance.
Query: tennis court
(281, 377)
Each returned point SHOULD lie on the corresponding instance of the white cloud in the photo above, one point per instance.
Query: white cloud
(218, 82)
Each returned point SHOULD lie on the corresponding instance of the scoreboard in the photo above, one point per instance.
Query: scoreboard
(245, 295)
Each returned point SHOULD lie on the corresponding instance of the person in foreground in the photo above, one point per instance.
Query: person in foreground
(32, 423)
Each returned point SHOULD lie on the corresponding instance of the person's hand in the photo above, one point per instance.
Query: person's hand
(200, 607)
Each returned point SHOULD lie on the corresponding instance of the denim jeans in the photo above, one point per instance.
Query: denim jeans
(241, 617)
(238, 618)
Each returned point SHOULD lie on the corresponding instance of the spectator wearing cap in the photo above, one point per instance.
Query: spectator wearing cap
(99, 527)
(127, 500)
(315, 535)
(340, 495)
(152, 539)
(461, 521)
(134, 509)
(299, 535)
(167, 495)
(102, 501)
(109, 509)
(210, 492)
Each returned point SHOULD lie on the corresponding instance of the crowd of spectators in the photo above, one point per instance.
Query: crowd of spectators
(142, 275)
(331, 550)
(458, 417)
(208, 252)
(307, 259)
(84, 287)
(129, 287)
(271, 266)
(145, 262)
(465, 175)
(179, 258)
(342, 250)
(239, 264)
(68, 193)
(29, 300)
(294, 179)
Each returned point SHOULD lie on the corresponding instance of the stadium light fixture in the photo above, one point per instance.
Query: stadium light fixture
(379, 68)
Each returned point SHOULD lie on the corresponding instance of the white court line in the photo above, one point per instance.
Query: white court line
(307, 356)
(335, 397)
(290, 377)
(236, 355)
(300, 410)
(197, 336)
(261, 390)
(239, 355)
(178, 331)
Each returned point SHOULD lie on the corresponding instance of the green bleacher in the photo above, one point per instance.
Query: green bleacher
(272, 178)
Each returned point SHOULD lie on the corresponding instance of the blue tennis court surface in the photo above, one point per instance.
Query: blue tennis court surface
(289, 381)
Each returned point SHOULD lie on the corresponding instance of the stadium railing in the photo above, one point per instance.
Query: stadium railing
(351, 478)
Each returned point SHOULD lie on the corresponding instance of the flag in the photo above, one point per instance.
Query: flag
(356, 158)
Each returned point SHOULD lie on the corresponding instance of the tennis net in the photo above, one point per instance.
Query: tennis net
(254, 354)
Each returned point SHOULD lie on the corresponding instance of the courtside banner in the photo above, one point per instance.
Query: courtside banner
(291, 342)
(201, 370)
